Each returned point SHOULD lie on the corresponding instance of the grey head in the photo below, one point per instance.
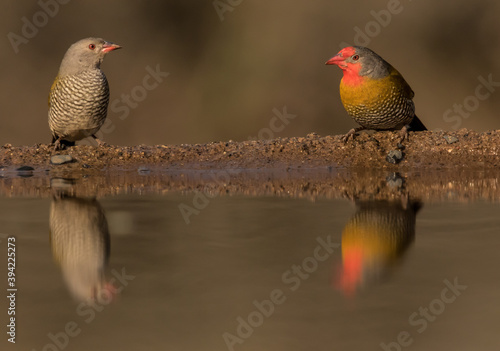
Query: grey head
(361, 61)
(85, 54)
(372, 65)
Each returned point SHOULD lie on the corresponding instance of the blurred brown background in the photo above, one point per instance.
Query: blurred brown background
(226, 77)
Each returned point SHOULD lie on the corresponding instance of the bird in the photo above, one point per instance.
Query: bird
(80, 243)
(79, 95)
(374, 240)
(374, 93)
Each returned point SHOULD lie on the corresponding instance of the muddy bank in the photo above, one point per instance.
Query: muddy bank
(424, 150)
(461, 165)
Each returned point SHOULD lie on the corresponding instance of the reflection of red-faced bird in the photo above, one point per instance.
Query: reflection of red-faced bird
(374, 93)
(79, 96)
(373, 240)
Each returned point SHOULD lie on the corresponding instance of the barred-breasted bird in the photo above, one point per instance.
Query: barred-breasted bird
(79, 96)
(374, 93)
(80, 242)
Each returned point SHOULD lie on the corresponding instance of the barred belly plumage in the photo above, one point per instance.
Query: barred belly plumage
(78, 105)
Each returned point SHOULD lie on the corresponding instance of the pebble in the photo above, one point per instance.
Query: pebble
(450, 139)
(61, 159)
(25, 171)
(25, 168)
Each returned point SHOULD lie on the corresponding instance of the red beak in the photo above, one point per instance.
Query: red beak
(336, 60)
(107, 47)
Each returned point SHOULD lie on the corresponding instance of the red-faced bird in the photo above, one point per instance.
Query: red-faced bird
(374, 93)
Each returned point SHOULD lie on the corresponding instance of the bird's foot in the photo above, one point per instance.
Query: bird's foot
(350, 134)
(100, 143)
(57, 145)
(403, 134)
(61, 144)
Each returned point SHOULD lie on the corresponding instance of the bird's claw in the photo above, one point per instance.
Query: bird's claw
(350, 134)
(403, 134)
(345, 138)
(100, 143)
(58, 145)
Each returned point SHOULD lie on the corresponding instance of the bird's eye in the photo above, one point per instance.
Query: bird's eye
(91, 46)
(355, 57)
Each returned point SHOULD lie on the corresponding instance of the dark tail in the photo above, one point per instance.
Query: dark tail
(416, 125)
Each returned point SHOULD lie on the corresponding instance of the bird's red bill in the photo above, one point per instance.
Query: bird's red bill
(107, 47)
(335, 60)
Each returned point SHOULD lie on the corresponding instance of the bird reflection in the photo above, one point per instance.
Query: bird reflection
(373, 240)
(80, 245)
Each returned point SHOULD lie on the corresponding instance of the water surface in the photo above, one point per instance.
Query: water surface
(128, 272)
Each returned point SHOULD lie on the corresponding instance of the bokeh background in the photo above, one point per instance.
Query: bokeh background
(227, 76)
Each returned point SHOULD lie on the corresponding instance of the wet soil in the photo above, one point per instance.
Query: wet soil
(423, 150)
(462, 165)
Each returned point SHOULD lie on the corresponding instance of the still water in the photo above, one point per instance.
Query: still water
(133, 272)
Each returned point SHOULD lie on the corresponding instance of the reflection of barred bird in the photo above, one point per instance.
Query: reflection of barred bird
(79, 96)
(373, 240)
(80, 244)
(374, 93)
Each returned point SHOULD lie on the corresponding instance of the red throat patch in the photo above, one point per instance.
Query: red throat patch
(351, 75)
(351, 70)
